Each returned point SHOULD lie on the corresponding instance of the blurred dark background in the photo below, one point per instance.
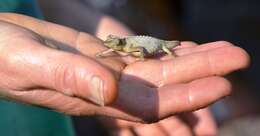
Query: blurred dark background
(236, 21)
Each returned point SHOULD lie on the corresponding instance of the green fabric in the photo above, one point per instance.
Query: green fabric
(24, 120)
(27, 7)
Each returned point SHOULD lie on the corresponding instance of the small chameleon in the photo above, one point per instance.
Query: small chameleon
(138, 46)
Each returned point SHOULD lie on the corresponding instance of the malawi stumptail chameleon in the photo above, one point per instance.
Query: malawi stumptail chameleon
(138, 46)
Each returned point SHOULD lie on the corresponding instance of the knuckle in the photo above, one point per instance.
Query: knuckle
(65, 78)
(10, 61)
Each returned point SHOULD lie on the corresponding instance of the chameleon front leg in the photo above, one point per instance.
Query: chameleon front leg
(101, 54)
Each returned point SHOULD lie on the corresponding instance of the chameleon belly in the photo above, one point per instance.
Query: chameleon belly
(150, 44)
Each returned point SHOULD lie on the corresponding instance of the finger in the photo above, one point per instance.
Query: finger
(201, 122)
(220, 61)
(166, 101)
(53, 31)
(200, 48)
(108, 26)
(149, 130)
(64, 37)
(112, 123)
(175, 127)
(191, 96)
(51, 99)
(187, 44)
(67, 73)
(122, 132)
(205, 64)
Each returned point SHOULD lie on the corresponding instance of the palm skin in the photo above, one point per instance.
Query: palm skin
(148, 90)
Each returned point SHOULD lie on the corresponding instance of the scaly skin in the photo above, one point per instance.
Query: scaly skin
(139, 46)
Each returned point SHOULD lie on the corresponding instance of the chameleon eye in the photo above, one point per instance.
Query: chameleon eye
(122, 41)
(112, 37)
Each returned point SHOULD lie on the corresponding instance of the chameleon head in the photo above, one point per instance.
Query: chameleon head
(113, 42)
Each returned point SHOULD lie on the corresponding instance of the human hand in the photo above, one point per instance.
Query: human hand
(199, 123)
(189, 82)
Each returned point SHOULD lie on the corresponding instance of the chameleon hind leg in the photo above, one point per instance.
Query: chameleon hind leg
(168, 51)
(137, 51)
(165, 49)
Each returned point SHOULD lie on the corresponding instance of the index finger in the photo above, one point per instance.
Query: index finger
(46, 29)
(198, 64)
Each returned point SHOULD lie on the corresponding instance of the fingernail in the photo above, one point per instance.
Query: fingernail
(97, 90)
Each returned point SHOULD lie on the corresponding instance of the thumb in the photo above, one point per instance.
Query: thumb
(67, 73)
